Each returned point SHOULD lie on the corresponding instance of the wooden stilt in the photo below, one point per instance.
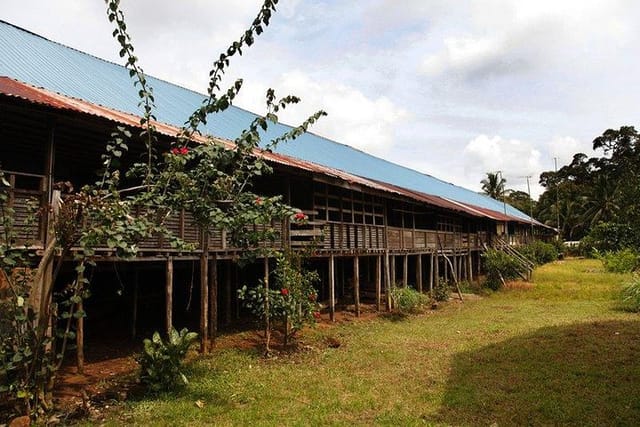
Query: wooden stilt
(80, 330)
(378, 281)
(267, 324)
(437, 272)
(387, 281)
(356, 284)
(405, 271)
(168, 295)
(432, 273)
(332, 288)
(419, 273)
(213, 298)
(392, 270)
(470, 267)
(204, 294)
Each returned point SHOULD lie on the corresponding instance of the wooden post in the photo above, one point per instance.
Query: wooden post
(405, 271)
(168, 295)
(378, 281)
(437, 275)
(213, 298)
(387, 281)
(267, 323)
(332, 288)
(80, 329)
(419, 273)
(470, 267)
(432, 272)
(392, 270)
(356, 283)
(204, 294)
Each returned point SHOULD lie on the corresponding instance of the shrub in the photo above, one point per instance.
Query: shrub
(623, 261)
(540, 252)
(631, 294)
(608, 236)
(408, 300)
(161, 362)
(499, 266)
(441, 290)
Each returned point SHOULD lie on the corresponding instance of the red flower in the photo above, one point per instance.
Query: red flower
(299, 217)
(177, 151)
(258, 200)
(312, 297)
(316, 315)
(284, 291)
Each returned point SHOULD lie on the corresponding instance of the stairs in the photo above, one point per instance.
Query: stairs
(525, 264)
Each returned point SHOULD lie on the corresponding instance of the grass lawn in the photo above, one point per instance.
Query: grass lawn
(557, 351)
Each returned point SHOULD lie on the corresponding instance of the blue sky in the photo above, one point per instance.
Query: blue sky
(453, 89)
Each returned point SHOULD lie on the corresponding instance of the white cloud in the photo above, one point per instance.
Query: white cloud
(353, 118)
(516, 159)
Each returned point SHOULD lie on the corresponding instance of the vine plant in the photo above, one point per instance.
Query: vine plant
(207, 179)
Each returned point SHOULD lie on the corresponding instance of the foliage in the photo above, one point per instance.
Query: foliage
(608, 236)
(441, 290)
(500, 267)
(407, 300)
(631, 294)
(592, 190)
(624, 261)
(293, 299)
(494, 185)
(540, 252)
(161, 361)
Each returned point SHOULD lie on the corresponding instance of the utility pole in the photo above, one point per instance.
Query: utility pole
(555, 162)
(530, 204)
(504, 204)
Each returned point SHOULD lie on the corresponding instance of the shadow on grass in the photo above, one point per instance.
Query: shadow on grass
(584, 374)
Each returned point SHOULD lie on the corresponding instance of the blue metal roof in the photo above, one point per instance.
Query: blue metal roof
(38, 61)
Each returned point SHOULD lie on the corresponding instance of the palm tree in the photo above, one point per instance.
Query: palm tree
(493, 185)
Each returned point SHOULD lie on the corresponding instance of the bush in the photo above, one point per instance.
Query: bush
(408, 300)
(608, 236)
(441, 291)
(631, 294)
(499, 266)
(161, 362)
(623, 261)
(540, 252)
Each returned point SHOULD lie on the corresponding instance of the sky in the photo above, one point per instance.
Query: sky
(453, 89)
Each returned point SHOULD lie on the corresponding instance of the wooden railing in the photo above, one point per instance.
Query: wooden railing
(26, 194)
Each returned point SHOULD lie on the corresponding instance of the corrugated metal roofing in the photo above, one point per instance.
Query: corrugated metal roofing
(30, 58)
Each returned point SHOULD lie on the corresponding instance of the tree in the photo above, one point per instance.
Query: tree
(494, 185)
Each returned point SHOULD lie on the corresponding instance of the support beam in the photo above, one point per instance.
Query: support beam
(267, 324)
(356, 284)
(204, 294)
(419, 273)
(213, 298)
(432, 272)
(387, 281)
(332, 288)
(80, 329)
(405, 271)
(378, 282)
(437, 272)
(168, 295)
(392, 270)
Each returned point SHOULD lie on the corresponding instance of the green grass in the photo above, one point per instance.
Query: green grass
(557, 352)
